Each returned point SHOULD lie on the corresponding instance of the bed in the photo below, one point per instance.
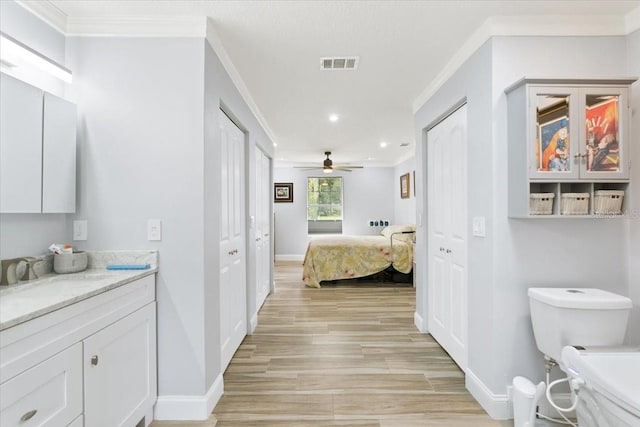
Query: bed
(347, 257)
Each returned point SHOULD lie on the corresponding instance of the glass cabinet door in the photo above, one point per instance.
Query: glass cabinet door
(555, 133)
(603, 135)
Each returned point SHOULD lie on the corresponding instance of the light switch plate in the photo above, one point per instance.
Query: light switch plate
(479, 228)
(154, 229)
(80, 229)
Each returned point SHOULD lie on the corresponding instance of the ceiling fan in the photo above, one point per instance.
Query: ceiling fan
(328, 166)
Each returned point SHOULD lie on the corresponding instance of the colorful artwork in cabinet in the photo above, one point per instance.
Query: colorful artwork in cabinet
(603, 145)
(553, 145)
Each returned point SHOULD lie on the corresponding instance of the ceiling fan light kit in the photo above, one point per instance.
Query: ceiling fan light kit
(328, 167)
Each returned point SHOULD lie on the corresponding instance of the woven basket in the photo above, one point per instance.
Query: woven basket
(608, 202)
(575, 204)
(541, 203)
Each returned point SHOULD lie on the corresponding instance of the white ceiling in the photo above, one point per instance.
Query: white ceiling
(404, 48)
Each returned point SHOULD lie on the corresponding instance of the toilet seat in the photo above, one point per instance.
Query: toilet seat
(615, 375)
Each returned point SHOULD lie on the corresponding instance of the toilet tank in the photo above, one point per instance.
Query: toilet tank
(577, 316)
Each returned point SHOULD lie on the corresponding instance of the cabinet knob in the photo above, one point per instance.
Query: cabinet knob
(258, 239)
(28, 415)
(94, 360)
(448, 251)
(441, 249)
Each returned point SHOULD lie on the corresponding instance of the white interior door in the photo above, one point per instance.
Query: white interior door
(263, 227)
(233, 288)
(447, 236)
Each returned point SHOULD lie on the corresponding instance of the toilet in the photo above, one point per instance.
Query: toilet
(607, 385)
(582, 330)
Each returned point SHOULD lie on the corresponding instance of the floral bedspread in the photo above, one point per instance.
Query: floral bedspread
(346, 257)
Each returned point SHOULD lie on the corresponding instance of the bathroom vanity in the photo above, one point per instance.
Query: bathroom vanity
(79, 349)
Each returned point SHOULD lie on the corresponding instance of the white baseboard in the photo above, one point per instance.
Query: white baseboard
(420, 323)
(196, 408)
(498, 406)
(290, 258)
(253, 324)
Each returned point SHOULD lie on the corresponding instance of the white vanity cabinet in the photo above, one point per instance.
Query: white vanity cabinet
(566, 137)
(37, 150)
(120, 371)
(49, 393)
(91, 363)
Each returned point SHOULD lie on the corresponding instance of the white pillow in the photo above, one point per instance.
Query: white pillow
(388, 231)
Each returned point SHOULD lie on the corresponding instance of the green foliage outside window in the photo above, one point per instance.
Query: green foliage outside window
(324, 199)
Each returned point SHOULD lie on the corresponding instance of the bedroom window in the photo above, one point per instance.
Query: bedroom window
(324, 205)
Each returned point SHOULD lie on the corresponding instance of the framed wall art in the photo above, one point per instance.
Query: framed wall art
(405, 191)
(283, 192)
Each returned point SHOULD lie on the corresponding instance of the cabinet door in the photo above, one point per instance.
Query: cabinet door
(49, 394)
(120, 371)
(604, 133)
(59, 155)
(553, 133)
(20, 146)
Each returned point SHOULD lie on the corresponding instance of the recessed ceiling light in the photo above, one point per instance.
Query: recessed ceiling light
(333, 118)
(383, 144)
(370, 158)
(275, 145)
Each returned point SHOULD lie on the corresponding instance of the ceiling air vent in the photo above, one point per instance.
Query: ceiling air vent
(339, 63)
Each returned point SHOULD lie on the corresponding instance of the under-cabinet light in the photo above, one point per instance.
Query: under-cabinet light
(16, 53)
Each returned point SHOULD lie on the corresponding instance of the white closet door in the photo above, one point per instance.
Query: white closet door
(447, 245)
(233, 289)
(263, 226)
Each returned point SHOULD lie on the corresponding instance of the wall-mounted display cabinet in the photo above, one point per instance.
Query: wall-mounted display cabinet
(568, 142)
(37, 150)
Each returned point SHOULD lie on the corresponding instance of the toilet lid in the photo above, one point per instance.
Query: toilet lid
(615, 375)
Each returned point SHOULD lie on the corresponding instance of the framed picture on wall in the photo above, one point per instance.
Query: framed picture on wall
(404, 186)
(283, 192)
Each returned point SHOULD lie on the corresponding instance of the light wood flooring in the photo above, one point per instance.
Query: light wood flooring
(343, 355)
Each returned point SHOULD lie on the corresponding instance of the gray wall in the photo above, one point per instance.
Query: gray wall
(516, 254)
(150, 149)
(141, 145)
(404, 210)
(220, 92)
(368, 194)
(633, 69)
(592, 253)
(473, 82)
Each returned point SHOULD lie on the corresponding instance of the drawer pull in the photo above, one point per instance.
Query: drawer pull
(94, 360)
(28, 415)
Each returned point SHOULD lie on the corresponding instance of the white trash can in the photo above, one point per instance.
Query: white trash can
(525, 400)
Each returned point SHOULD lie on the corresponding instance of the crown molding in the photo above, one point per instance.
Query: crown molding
(148, 26)
(48, 12)
(215, 42)
(633, 20)
(542, 26)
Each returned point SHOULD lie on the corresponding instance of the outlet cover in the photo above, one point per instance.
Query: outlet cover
(80, 229)
(154, 229)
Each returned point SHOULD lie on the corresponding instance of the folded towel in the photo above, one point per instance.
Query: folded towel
(128, 266)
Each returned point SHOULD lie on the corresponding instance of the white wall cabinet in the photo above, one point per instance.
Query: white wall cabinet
(566, 136)
(92, 363)
(37, 150)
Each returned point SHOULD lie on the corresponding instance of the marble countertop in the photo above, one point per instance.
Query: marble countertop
(28, 300)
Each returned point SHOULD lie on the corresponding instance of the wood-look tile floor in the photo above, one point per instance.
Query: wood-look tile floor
(343, 355)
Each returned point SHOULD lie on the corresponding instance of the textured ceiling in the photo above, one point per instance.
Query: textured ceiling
(403, 46)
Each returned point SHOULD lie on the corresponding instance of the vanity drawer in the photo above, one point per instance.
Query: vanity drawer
(49, 394)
